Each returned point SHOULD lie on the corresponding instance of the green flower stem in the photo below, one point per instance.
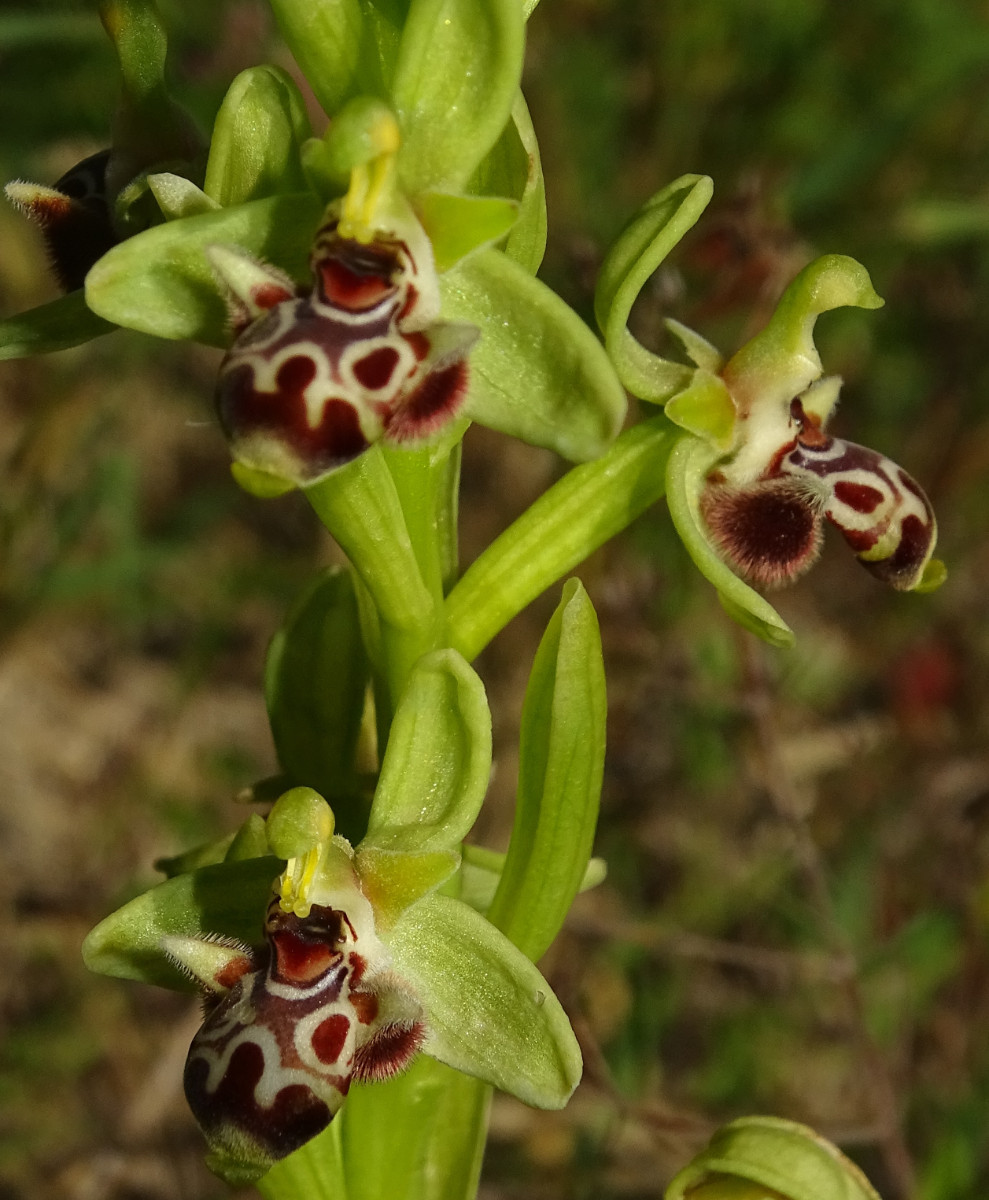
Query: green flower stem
(589, 505)
(361, 508)
(426, 484)
(419, 1136)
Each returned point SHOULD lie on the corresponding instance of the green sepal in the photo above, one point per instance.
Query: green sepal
(161, 283)
(641, 247)
(178, 197)
(490, 1013)
(316, 679)
(688, 466)
(538, 373)
(438, 760)
(57, 325)
(561, 765)
(579, 513)
(328, 39)
(513, 168)
(458, 69)
(770, 1152)
(148, 127)
(459, 225)
(257, 135)
(229, 898)
(480, 874)
(781, 361)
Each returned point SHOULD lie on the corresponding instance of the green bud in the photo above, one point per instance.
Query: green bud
(768, 1158)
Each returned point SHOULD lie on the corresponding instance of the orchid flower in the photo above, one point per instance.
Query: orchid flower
(756, 474)
(324, 963)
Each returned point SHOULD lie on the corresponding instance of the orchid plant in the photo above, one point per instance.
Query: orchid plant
(368, 975)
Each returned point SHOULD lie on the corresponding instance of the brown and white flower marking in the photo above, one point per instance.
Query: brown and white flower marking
(316, 375)
(287, 1027)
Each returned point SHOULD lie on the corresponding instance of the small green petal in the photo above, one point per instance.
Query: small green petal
(160, 282)
(458, 69)
(688, 465)
(459, 225)
(490, 1012)
(436, 767)
(229, 898)
(179, 197)
(57, 325)
(257, 134)
(538, 373)
(561, 764)
(639, 250)
(781, 361)
(792, 1160)
(316, 677)
(706, 409)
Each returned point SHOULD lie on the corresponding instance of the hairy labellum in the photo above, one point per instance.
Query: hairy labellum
(314, 377)
(286, 1029)
(770, 530)
(74, 217)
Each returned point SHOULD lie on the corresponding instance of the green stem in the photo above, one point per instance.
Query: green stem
(589, 505)
(361, 507)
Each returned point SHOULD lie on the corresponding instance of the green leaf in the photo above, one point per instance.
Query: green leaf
(538, 373)
(561, 764)
(438, 761)
(513, 168)
(459, 225)
(160, 282)
(230, 898)
(689, 463)
(458, 69)
(56, 325)
(587, 507)
(316, 678)
(257, 136)
(490, 1013)
(630, 262)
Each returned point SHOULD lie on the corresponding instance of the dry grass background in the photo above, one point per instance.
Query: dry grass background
(797, 909)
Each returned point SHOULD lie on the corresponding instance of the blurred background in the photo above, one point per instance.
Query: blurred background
(797, 911)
